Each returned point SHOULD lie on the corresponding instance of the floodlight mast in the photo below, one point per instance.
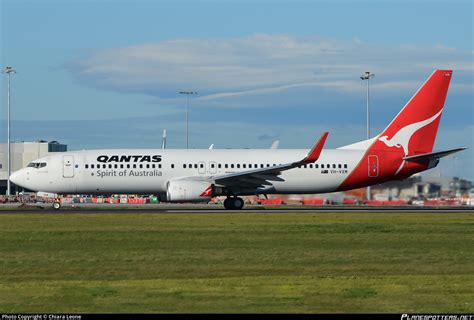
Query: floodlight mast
(187, 93)
(9, 71)
(366, 76)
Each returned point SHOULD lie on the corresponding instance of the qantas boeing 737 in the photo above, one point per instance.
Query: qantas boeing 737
(405, 147)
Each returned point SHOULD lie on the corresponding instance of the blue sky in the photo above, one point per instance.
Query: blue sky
(105, 74)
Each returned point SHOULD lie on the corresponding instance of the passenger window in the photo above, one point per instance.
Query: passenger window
(311, 166)
(226, 166)
(244, 166)
(159, 166)
(184, 166)
(92, 166)
(110, 166)
(195, 166)
(128, 166)
(238, 165)
(232, 166)
(172, 166)
(340, 166)
(116, 166)
(322, 166)
(268, 165)
(87, 166)
(316, 166)
(219, 165)
(201, 166)
(134, 166)
(261, 165)
(212, 165)
(104, 166)
(121, 166)
(345, 166)
(334, 166)
(141, 166)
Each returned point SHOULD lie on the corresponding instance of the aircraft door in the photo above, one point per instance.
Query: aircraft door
(373, 166)
(68, 166)
(212, 167)
(202, 167)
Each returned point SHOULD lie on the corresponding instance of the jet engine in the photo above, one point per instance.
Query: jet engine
(189, 190)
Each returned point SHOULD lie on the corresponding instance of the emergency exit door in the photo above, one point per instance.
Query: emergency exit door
(373, 166)
(68, 166)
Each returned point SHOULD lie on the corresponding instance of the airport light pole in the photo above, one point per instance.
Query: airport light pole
(187, 93)
(8, 71)
(366, 76)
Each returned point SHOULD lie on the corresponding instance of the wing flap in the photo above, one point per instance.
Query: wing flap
(268, 177)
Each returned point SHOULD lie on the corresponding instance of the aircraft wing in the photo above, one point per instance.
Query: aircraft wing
(264, 176)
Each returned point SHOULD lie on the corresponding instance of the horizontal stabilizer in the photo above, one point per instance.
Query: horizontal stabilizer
(432, 156)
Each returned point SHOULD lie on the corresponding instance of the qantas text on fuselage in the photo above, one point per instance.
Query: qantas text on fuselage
(129, 158)
(403, 148)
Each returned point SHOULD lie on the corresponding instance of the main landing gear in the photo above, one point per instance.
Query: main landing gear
(233, 203)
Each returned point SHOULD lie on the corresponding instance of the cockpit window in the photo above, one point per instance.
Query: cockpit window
(37, 165)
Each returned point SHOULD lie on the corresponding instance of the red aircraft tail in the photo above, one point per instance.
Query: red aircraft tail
(412, 132)
(414, 128)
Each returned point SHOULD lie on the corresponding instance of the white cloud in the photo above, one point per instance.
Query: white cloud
(261, 65)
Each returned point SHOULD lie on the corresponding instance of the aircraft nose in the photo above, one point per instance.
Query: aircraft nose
(18, 178)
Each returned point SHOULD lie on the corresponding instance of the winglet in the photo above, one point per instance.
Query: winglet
(313, 155)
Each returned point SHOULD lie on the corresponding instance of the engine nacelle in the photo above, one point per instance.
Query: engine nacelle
(189, 190)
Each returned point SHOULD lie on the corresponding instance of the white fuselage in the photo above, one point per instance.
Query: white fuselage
(99, 172)
(403, 148)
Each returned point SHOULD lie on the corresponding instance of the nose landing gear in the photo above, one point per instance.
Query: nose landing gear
(57, 204)
(233, 203)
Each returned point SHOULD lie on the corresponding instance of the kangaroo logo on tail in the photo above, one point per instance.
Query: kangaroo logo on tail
(401, 139)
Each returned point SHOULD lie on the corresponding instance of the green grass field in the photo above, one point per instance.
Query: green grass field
(302, 262)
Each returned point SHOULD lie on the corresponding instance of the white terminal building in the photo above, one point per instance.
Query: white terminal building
(21, 154)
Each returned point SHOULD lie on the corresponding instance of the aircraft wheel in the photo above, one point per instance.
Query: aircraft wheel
(234, 203)
(56, 205)
(228, 204)
(238, 203)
